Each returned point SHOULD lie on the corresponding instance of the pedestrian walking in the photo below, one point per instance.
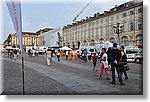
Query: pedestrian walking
(75, 55)
(58, 55)
(104, 64)
(33, 53)
(70, 55)
(37, 53)
(109, 58)
(115, 59)
(15, 54)
(94, 59)
(29, 52)
(85, 55)
(11, 53)
(49, 57)
(123, 60)
(67, 53)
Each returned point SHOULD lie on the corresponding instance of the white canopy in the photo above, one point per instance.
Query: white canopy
(108, 44)
(9, 47)
(65, 48)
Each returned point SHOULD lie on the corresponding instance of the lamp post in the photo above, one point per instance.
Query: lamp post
(44, 42)
(118, 29)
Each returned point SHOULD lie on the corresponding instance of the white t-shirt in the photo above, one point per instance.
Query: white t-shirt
(105, 62)
(33, 51)
(67, 52)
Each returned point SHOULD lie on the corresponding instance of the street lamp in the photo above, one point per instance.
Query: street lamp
(118, 29)
(44, 42)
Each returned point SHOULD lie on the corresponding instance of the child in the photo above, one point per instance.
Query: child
(104, 64)
(94, 61)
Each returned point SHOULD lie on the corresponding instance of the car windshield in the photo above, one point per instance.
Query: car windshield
(131, 51)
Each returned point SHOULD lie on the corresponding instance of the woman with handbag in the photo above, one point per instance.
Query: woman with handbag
(123, 60)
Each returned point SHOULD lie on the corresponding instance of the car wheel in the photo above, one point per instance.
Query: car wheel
(137, 60)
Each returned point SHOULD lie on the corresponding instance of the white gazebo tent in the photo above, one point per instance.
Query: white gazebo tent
(65, 48)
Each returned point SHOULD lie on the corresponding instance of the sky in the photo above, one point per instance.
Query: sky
(38, 14)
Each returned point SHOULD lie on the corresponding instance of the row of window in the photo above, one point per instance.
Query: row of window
(24, 43)
(138, 26)
(101, 21)
(24, 38)
(100, 32)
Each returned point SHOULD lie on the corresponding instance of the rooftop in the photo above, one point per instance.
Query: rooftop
(116, 9)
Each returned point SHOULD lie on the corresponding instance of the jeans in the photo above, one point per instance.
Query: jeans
(58, 56)
(66, 57)
(119, 72)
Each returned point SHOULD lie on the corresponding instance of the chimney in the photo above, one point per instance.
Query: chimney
(87, 18)
(97, 14)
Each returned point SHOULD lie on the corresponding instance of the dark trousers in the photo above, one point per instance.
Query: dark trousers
(125, 74)
(84, 58)
(66, 57)
(58, 57)
(119, 72)
(94, 64)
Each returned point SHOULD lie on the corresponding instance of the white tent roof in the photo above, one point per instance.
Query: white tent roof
(9, 47)
(65, 48)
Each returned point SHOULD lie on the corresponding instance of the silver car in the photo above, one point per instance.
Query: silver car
(131, 55)
(139, 56)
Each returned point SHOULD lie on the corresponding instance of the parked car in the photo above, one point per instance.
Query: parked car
(139, 57)
(131, 55)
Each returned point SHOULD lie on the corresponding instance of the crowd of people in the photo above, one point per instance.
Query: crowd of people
(12, 53)
(110, 60)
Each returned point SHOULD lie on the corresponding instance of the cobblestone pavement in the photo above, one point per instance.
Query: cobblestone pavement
(66, 77)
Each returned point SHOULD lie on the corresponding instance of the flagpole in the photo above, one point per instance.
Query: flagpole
(14, 7)
(23, 88)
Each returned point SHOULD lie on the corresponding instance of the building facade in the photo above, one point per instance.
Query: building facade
(100, 27)
(28, 39)
(41, 41)
(53, 38)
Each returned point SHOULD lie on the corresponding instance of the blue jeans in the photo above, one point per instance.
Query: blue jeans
(119, 72)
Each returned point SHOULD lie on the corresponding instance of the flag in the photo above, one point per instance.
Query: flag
(14, 8)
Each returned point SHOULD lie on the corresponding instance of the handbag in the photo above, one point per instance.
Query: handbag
(124, 66)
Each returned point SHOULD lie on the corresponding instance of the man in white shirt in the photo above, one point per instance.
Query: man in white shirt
(67, 53)
(49, 57)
